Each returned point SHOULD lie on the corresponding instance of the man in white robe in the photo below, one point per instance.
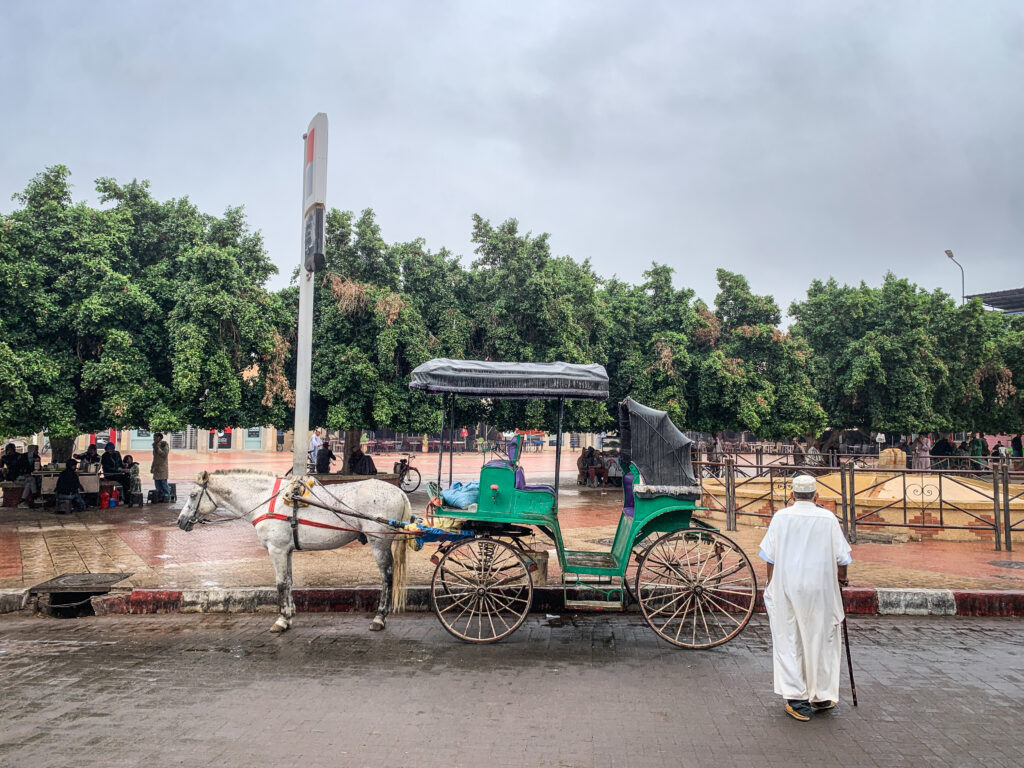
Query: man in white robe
(807, 556)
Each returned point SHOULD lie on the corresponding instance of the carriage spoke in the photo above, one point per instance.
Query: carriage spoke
(727, 602)
(727, 613)
(456, 602)
(498, 613)
(682, 621)
(703, 620)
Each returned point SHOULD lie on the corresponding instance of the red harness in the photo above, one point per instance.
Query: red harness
(294, 519)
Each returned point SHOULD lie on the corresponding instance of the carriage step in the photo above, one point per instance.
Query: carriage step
(569, 579)
(595, 605)
(583, 559)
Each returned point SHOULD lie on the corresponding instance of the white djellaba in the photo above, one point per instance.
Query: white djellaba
(806, 545)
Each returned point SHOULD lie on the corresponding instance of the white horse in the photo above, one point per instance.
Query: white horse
(258, 497)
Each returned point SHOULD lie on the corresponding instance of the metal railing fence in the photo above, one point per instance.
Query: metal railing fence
(922, 499)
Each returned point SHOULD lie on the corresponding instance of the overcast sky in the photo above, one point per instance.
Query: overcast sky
(786, 140)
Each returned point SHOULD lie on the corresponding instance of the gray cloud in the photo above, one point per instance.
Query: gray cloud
(786, 141)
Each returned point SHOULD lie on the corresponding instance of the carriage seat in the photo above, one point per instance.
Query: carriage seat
(522, 486)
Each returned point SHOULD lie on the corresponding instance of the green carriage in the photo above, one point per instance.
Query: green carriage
(695, 587)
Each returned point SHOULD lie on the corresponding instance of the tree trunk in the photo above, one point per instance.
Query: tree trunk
(61, 449)
(351, 443)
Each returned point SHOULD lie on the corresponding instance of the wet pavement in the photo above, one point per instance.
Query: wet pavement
(36, 545)
(591, 691)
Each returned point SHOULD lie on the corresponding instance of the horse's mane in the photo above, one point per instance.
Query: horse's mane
(260, 472)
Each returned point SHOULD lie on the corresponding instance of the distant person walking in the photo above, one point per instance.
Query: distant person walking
(159, 468)
(807, 556)
(1017, 451)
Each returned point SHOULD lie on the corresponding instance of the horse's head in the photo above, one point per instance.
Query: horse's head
(199, 503)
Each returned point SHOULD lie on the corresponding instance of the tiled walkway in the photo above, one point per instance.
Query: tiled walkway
(36, 545)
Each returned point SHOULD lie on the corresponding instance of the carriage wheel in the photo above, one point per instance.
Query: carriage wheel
(696, 588)
(481, 590)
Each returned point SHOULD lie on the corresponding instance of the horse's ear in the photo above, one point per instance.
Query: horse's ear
(203, 477)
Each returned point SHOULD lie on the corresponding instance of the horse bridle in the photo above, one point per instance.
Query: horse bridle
(196, 516)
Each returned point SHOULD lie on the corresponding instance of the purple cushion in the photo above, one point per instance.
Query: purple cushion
(522, 486)
(547, 488)
(627, 495)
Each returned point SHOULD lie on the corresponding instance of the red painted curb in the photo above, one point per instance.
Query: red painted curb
(857, 600)
(860, 600)
(988, 603)
(154, 601)
(109, 605)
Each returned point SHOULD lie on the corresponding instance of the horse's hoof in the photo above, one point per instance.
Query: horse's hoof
(279, 626)
(377, 624)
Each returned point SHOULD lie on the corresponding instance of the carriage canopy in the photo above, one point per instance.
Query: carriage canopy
(649, 439)
(481, 378)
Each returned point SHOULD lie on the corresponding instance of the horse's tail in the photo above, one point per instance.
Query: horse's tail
(400, 578)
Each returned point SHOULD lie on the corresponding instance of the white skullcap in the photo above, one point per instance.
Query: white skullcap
(804, 484)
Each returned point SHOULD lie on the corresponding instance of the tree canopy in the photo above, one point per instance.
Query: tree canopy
(147, 313)
(897, 358)
(137, 313)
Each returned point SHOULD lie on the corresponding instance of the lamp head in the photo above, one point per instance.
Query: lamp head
(950, 254)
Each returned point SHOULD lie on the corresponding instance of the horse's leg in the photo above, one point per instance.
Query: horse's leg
(281, 557)
(385, 562)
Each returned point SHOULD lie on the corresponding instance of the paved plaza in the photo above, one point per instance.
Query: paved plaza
(219, 690)
(36, 545)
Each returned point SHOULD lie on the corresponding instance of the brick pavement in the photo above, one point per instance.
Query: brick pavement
(220, 690)
(36, 545)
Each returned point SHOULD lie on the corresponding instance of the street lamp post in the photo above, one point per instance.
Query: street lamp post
(963, 292)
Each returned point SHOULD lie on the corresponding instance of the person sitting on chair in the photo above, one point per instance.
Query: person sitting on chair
(113, 467)
(596, 470)
(90, 457)
(131, 469)
(361, 464)
(324, 457)
(581, 468)
(69, 486)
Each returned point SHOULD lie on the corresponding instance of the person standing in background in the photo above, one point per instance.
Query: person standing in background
(315, 441)
(161, 450)
(30, 463)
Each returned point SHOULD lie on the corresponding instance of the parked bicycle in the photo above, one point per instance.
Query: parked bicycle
(408, 475)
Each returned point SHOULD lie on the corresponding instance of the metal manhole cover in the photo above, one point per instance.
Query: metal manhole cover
(1018, 564)
(80, 582)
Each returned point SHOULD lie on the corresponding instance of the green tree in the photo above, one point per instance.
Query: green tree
(368, 335)
(527, 305)
(101, 329)
(647, 339)
(750, 374)
(878, 363)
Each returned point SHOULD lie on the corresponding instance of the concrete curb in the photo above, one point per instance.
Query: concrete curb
(13, 600)
(858, 601)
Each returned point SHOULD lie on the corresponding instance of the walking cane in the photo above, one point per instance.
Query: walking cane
(849, 662)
